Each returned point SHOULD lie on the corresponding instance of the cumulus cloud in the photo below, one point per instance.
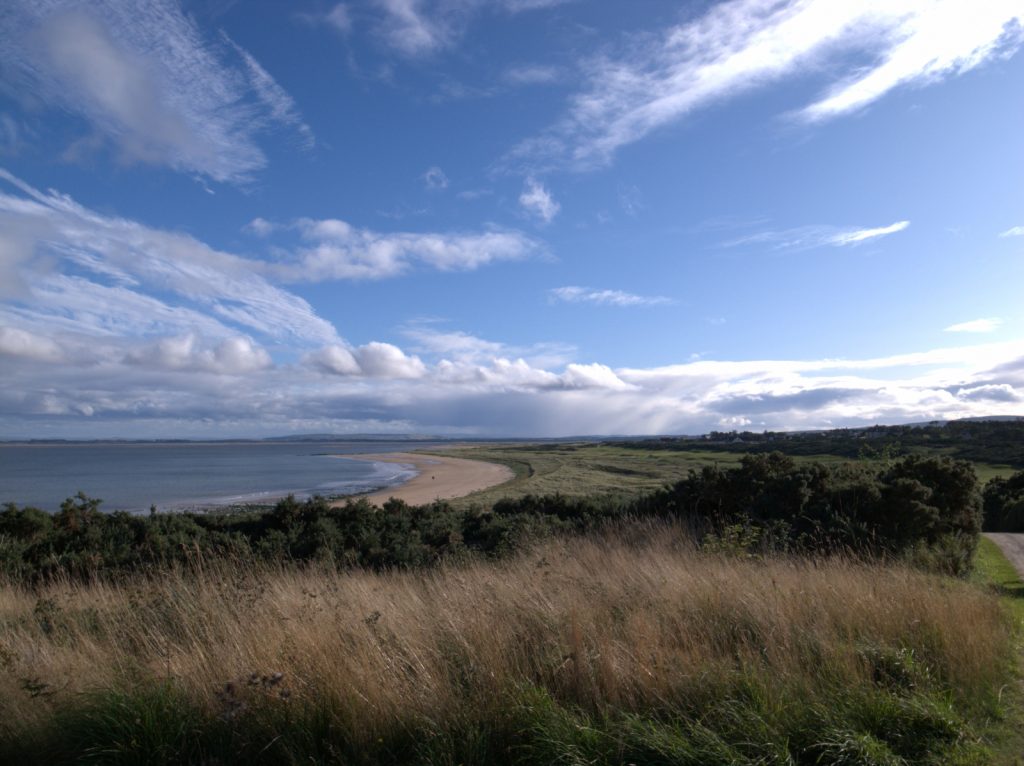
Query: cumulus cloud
(741, 45)
(998, 392)
(1014, 231)
(21, 343)
(594, 376)
(537, 201)
(373, 360)
(383, 360)
(144, 77)
(575, 294)
(232, 356)
(990, 324)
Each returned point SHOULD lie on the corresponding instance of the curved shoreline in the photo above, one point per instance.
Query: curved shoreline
(437, 478)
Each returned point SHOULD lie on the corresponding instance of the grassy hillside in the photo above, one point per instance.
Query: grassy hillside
(626, 648)
(626, 469)
(583, 469)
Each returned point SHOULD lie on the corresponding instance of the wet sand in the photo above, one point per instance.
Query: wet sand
(440, 478)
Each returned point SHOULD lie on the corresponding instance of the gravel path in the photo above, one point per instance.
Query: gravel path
(1012, 546)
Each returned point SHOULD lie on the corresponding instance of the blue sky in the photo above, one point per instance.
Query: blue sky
(508, 217)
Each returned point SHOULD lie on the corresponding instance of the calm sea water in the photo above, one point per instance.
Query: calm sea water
(185, 476)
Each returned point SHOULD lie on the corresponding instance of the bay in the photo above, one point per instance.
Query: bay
(176, 476)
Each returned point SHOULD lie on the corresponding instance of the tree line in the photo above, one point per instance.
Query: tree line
(986, 441)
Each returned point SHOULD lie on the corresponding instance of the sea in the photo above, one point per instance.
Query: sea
(185, 476)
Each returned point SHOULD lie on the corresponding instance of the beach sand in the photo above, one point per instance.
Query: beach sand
(440, 478)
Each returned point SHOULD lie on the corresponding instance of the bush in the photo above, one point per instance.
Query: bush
(915, 504)
(1004, 504)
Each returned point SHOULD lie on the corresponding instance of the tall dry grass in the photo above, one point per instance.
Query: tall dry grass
(612, 625)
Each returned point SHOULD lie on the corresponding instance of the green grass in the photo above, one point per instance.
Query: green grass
(581, 470)
(992, 570)
(988, 471)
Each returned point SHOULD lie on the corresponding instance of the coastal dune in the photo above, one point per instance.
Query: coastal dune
(439, 478)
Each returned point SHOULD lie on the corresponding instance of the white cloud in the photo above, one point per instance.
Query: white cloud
(997, 392)
(457, 344)
(340, 18)
(805, 237)
(466, 348)
(537, 201)
(235, 355)
(990, 324)
(927, 40)
(212, 293)
(211, 289)
(1015, 231)
(383, 360)
(278, 103)
(261, 227)
(576, 294)
(418, 28)
(15, 342)
(143, 75)
(335, 359)
(412, 31)
(338, 250)
(518, 6)
(373, 360)
(151, 387)
(741, 45)
(435, 179)
(860, 235)
(532, 74)
(594, 376)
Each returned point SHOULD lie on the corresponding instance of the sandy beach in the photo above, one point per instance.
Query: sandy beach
(440, 478)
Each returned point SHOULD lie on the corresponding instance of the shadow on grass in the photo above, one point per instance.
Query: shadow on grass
(1011, 590)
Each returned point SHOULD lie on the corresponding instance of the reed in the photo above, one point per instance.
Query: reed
(626, 647)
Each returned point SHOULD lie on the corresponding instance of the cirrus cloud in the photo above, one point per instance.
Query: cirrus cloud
(990, 324)
(741, 45)
(576, 294)
(142, 74)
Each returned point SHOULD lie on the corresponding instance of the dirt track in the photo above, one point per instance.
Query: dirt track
(1012, 546)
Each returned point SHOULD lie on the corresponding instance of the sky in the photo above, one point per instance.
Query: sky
(499, 218)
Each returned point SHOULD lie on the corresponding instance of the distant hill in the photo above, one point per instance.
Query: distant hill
(995, 439)
(357, 438)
